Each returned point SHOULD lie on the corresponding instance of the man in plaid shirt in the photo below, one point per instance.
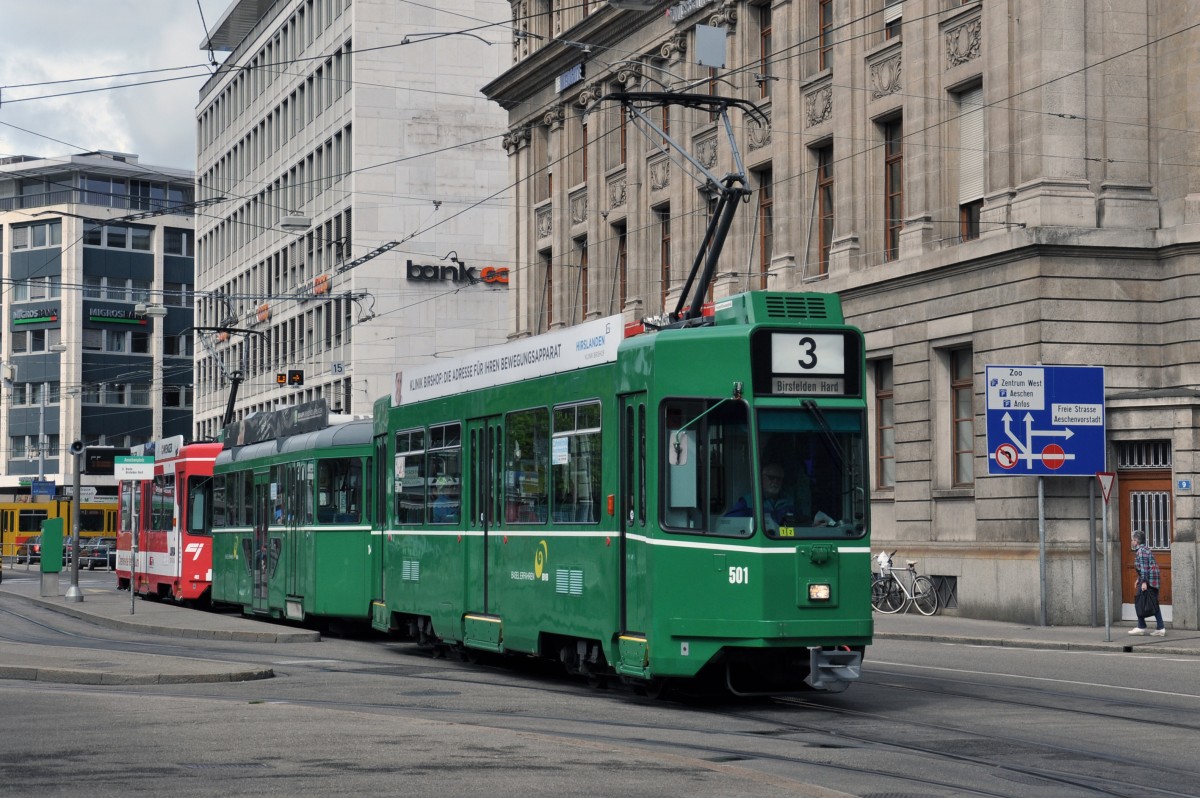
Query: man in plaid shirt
(1147, 580)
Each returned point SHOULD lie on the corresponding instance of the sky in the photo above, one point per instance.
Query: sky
(53, 40)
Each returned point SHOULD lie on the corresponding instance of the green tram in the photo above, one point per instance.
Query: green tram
(598, 498)
(292, 535)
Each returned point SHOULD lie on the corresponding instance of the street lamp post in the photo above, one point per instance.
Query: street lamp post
(73, 592)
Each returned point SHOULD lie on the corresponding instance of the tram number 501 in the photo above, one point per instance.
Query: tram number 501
(739, 575)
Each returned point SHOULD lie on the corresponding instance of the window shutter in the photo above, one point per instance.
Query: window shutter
(971, 144)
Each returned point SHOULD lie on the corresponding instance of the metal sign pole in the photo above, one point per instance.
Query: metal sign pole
(1106, 482)
(133, 545)
(1041, 494)
(1107, 581)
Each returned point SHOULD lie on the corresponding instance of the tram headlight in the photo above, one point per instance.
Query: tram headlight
(819, 592)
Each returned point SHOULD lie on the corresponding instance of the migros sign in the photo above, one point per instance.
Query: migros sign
(459, 273)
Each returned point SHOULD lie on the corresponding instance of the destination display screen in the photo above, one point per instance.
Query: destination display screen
(807, 363)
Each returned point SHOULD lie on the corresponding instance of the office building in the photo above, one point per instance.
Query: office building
(364, 227)
(96, 250)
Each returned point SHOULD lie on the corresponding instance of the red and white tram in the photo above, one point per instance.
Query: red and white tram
(167, 522)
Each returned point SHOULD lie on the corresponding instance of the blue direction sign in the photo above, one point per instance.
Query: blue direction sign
(42, 487)
(1045, 420)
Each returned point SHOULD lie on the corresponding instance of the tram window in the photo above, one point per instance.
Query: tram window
(91, 521)
(247, 503)
(31, 520)
(706, 445)
(339, 491)
(576, 464)
(409, 469)
(199, 494)
(127, 488)
(445, 474)
(296, 494)
(162, 502)
(823, 459)
(527, 456)
(218, 501)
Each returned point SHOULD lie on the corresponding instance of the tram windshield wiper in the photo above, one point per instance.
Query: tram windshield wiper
(831, 440)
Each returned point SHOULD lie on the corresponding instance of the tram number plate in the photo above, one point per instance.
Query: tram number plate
(808, 363)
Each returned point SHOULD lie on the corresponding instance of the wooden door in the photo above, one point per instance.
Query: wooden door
(1145, 502)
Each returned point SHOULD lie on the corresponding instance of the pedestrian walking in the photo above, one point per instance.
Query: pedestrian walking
(1146, 589)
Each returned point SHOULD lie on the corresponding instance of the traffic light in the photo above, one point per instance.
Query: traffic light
(295, 377)
(281, 379)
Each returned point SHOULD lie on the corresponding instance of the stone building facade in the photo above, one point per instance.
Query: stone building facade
(982, 183)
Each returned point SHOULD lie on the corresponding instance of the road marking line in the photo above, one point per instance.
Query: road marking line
(1038, 679)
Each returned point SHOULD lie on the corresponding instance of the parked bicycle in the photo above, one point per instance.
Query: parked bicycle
(890, 594)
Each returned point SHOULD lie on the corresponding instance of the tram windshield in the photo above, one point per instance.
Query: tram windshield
(806, 478)
(812, 473)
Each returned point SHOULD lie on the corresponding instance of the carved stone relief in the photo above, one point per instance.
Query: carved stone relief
(554, 117)
(886, 77)
(515, 139)
(963, 42)
(706, 151)
(579, 207)
(616, 192)
(544, 221)
(759, 135)
(660, 174)
(677, 45)
(818, 106)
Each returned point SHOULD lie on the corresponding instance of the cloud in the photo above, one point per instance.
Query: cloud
(156, 121)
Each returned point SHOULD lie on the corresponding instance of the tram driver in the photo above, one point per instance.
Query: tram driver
(778, 505)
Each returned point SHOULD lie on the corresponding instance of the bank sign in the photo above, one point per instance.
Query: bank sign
(457, 272)
(1045, 420)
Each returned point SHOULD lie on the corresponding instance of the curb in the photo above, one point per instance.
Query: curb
(75, 676)
(1114, 647)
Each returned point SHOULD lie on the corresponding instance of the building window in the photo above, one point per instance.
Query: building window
(893, 13)
(764, 51)
(885, 426)
(622, 268)
(177, 241)
(40, 235)
(663, 216)
(962, 400)
(118, 236)
(177, 396)
(824, 207)
(583, 278)
(546, 313)
(766, 225)
(37, 288)
(824, 34)
(971, 148)
(893, 187)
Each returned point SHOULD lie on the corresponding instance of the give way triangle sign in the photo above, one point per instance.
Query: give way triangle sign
(1106, 482)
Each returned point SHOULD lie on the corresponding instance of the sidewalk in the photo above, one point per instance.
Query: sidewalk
(104, 605)
(946, 628)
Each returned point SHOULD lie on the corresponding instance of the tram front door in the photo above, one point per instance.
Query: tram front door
(264, 511)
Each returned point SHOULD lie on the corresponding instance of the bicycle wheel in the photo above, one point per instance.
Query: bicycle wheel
(925, 595)
(887, 595)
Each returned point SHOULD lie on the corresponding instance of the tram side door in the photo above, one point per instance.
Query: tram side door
(264, 507)
(634, 515)
(484, 499)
